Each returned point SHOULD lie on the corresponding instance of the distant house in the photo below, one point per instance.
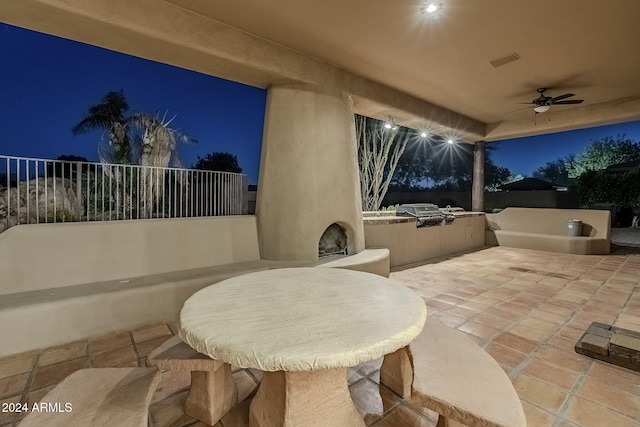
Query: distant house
(532, 193)
(530, 184)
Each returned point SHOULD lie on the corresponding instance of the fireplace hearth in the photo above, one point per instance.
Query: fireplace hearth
(333, 242)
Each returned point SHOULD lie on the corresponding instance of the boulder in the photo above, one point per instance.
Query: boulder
(36, 200)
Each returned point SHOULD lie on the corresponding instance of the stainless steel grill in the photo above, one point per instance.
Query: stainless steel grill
(426, 214)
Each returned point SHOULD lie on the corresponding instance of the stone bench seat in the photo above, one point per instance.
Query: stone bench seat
(98, 397)
(54, 316)
(579, 245)
(212, 393)
(49, 317)
(456, 378)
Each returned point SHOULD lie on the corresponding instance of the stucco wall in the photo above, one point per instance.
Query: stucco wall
(43, 256)
(408, 244)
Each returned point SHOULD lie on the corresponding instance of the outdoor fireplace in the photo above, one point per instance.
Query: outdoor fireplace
(308, 172)
(333, 242)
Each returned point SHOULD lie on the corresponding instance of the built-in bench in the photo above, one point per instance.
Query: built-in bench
(43, 316)
(545, 229)
(456, 378)
(97, 397)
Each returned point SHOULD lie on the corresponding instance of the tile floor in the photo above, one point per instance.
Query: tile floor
(526, 308)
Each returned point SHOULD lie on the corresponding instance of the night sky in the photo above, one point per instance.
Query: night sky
(47, 85)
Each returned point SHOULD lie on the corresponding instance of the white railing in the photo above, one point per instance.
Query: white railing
(36, 191)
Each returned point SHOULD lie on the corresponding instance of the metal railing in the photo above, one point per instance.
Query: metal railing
(36, 191)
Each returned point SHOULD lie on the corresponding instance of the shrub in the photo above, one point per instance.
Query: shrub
(61, 215)
(604, 187)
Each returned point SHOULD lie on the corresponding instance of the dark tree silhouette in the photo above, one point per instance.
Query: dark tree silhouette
(218, 161)
(66, 169)
(556, 171)
(437, 165)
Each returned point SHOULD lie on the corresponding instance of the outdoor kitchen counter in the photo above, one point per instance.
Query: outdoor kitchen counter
(389, 218)
(409, 244)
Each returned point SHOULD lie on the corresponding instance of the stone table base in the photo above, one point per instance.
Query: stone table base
(212, 394)
(304, 399)
(397, 373)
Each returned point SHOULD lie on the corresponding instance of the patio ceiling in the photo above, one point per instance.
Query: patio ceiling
(586, 47)
(390, 58)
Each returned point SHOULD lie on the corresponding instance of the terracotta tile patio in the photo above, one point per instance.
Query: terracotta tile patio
(526, 308)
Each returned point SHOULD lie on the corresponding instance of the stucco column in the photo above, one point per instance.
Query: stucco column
(308, 172)
(477, 193)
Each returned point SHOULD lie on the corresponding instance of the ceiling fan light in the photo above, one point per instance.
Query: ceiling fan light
(542, 108)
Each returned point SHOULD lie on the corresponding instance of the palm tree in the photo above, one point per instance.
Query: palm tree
(138, 139)
(156, 147)
(157, 141)
(109, 115)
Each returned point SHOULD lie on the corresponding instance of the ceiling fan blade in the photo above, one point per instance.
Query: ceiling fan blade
(573, 101)
(566, 95)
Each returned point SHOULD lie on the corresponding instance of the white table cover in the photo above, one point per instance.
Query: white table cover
(301, 319)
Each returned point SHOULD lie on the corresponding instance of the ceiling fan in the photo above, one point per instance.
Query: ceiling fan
(543, 103)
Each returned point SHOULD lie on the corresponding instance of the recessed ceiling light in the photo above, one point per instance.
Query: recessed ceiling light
(431, 6)
(390, 124)
(424, 132)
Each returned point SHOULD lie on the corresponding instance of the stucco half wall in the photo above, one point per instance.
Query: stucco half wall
(43, 256)
(545, 229)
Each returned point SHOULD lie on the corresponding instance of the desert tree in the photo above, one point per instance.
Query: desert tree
(379, 150)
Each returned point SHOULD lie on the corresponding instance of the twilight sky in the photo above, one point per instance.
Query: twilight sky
(524, 155)
(47, 85)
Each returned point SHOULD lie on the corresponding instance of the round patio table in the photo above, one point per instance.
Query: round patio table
(303, 327)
